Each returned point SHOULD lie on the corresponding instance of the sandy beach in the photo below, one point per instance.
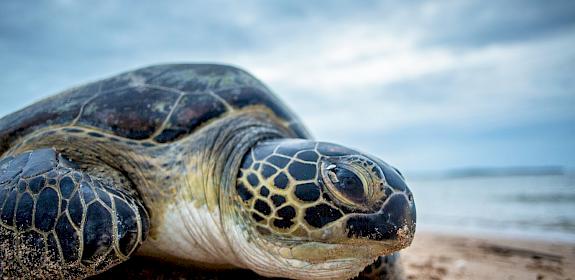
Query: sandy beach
(431, 256)
(440, 256)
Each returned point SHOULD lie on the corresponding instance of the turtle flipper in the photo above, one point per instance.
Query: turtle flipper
(58, 222)
(384, 268)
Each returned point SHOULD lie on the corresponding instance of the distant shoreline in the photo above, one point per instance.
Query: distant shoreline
(506, 171)
(478, 172)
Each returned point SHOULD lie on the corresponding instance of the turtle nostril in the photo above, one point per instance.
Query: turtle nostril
(410, 197)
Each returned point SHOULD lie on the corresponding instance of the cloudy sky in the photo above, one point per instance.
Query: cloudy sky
(425, 85)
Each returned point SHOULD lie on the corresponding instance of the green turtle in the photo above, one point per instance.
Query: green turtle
(193, 164)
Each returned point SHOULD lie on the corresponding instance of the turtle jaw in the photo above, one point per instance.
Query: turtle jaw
(315, 260)
(335, 257)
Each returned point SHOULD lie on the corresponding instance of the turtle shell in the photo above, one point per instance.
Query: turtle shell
(162, 103)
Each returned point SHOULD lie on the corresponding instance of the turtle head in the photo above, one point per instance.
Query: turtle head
(320, 209)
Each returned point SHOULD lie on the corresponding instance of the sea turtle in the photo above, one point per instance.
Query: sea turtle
(192, 164)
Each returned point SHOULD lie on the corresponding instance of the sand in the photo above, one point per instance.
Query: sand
(431, 256)
(440, 256)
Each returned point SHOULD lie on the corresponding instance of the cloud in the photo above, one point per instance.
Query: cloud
(469, 24)
(388, 84)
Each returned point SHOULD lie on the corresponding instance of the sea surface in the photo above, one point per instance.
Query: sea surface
(526, 207)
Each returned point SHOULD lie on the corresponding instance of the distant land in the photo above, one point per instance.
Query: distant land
(470, 172)
(506, 171)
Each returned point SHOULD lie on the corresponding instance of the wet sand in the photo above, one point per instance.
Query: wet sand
(431, 256)
(440, 256)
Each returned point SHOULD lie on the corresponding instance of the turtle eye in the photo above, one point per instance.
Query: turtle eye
(345, 185)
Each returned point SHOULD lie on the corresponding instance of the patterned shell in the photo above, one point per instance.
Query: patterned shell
(159, 103)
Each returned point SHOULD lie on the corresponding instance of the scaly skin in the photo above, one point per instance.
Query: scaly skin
(57, 222)
(305, 226)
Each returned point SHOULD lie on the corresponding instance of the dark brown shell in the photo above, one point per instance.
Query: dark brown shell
(175, 98)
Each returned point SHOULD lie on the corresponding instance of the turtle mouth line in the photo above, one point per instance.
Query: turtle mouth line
(351, 250)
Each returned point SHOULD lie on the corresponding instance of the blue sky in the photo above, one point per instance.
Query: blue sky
(425, 85)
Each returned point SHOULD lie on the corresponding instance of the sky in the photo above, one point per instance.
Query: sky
(426, 86)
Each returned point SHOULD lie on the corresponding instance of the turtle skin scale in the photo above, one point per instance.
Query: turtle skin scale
(75, 168)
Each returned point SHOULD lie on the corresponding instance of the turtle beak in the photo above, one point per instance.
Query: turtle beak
(395, 221)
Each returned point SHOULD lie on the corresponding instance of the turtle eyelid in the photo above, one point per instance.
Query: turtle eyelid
(332, 176)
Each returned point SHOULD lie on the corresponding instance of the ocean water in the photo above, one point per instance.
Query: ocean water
(527, 207)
